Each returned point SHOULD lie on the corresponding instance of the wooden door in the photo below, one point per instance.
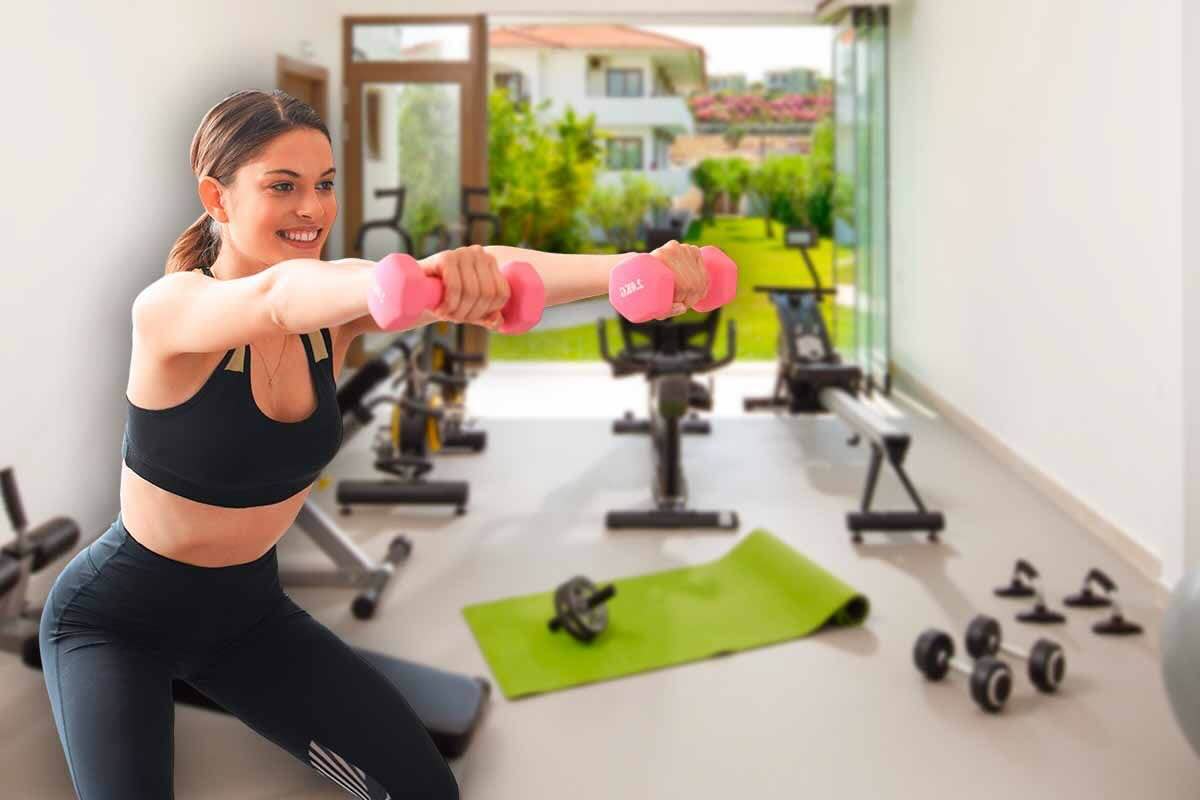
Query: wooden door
(401, 72)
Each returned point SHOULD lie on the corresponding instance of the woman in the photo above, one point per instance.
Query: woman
(232, 414)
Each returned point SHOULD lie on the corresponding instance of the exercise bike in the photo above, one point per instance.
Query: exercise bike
(812, 378)
(422, 423)
(669, 355)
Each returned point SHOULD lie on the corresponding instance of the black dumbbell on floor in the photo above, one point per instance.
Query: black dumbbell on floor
(991, 679)
(1047, 663)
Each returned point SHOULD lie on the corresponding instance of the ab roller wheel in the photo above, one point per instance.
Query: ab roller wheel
(579, 608)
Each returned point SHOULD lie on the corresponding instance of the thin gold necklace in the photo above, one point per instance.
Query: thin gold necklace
(270, 374)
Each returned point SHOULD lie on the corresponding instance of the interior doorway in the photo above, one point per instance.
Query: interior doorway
(416, 129)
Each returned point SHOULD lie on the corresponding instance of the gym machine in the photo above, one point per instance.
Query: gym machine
(33, 550)
(669, 356)
(427, 417)
(813, 379)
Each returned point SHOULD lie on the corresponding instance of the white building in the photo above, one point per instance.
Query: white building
(634, 81)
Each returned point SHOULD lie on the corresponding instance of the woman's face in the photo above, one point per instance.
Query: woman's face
(281, 204)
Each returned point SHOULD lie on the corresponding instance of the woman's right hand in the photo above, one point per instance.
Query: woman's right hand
(474, 288)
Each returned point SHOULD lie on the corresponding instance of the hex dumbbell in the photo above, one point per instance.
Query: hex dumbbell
(402, 291)
(642, 288)
(1047, 663)
(991, 679)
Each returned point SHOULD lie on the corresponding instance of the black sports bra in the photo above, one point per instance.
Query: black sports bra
(218, 447)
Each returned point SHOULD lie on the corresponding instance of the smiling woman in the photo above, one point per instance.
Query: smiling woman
(232, 414)
(235, 132)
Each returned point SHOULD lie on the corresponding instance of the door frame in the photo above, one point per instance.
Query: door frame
(286, 65)
(470, 75)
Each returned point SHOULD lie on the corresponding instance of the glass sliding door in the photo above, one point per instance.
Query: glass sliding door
(861, 231)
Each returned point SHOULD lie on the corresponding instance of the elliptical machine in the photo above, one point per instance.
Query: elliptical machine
(669, 356)
(813, 379)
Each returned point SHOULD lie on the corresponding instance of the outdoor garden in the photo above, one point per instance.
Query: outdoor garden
(545, 191)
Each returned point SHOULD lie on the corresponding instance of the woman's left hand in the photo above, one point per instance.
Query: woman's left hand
(691, 278)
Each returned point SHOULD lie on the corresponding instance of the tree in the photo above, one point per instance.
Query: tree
(540, 174)
(424, 114)
(732, 177)
(620, 210)
(781, 185)
(820, 206)
(715, 177)
(733, 136)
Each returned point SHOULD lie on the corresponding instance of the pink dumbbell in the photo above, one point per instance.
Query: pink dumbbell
(402, 291)
(642, 288)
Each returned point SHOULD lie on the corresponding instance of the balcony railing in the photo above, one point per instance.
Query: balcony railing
(670, 113)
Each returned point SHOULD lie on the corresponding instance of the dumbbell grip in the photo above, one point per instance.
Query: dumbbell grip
(1014, 651)
(12, 500)
(1023, 567)
(959, 666)
(437, 288)
(1099, 577)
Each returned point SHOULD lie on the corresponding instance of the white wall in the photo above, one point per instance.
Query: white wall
(1037, 234)
(564, 74)
(103, 101)
(1190, 32)
(517, 59)
(633, 12)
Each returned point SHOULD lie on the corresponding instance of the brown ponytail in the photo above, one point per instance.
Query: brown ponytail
(197, 247)
(234, 131)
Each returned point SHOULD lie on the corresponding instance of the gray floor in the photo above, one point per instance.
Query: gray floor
(840, 714)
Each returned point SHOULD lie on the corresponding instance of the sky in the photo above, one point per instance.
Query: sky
(753, 50)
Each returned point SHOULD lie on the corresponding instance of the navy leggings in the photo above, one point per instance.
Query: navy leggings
(122, 621)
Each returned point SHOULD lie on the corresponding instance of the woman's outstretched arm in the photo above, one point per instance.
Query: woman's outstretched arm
(566, 276)
(301, 295)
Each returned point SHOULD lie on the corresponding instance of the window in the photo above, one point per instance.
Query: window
(625, 152)
(624, 83)
(513, 83)
(411, 42)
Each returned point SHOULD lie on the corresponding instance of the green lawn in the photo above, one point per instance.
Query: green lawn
(760, 261)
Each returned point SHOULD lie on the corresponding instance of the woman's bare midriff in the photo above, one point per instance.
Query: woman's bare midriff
(198, 533)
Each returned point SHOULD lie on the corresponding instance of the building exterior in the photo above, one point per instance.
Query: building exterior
(634, 81)
(796, 80)
(733, 82)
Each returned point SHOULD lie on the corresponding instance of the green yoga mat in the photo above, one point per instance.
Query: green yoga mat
(761, 592)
